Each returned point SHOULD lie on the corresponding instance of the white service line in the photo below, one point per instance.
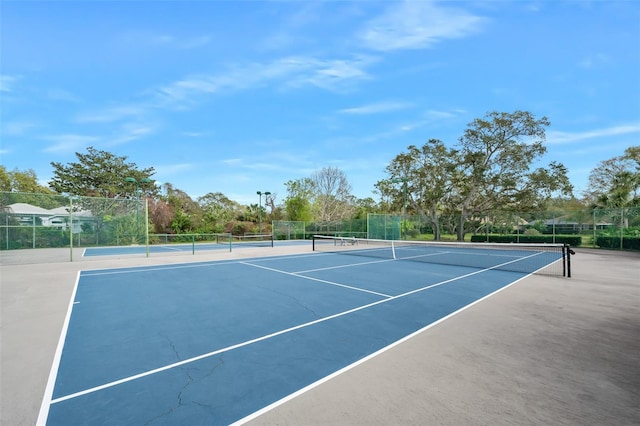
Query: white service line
(295, 274)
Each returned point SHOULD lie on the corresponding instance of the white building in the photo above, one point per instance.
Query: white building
(29, 215)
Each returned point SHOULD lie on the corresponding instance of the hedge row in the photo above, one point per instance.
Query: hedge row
(628, 243)
(572, 240)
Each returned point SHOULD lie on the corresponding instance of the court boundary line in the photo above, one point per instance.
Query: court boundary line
(181, 265)
(43, 414)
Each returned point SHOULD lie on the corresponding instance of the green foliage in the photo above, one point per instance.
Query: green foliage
(616, 182)
(297, 203)
(21, 181)
(628, 243)
(572, 240)
(100, 174)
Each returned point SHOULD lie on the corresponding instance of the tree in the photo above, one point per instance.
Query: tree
(332, 195)
(364, 206)
(428, 174)
(187, 214)
(100, 174)
(615, 182)
(494, 173)
(21, 181)
(218, 210)
(297, 203)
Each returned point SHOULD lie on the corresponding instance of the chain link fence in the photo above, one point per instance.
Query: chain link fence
(617, 228)
(46, 221)
(30, 221)
(303, 230)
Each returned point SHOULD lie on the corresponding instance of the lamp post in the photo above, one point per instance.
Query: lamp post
(134, 180)
(404, 205)
(260, 207)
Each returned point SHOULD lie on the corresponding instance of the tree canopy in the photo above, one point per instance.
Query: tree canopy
(490, 168)
(100, 174)
(616, 182)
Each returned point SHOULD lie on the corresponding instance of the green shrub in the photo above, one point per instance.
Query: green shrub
(628, 243)
(572, 240)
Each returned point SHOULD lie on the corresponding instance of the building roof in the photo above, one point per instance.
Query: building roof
(24, 208)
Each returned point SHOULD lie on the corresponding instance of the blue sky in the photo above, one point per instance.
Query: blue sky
(238, 96)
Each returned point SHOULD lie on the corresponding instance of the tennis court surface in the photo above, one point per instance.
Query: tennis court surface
(233, 340)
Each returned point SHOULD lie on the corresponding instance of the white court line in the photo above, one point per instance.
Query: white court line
(239, 345)
(48, 392)
(317, 279)
(349, 265)
(203, 264)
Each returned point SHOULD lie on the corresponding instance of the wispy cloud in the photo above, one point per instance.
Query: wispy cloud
(557, 137)
(112, 114)
(184, 43)
(17, 128)
(148, 39)
(376, 108)
(62, 95)
(418, 25)
(432, 118)
(69, 143)
(167, 170)
(289, 72)
(131, 132)
(594, 60)
(7, 82)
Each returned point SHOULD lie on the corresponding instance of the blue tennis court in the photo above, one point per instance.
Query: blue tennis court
(213, 343)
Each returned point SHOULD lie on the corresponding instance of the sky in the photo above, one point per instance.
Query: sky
(243, 96)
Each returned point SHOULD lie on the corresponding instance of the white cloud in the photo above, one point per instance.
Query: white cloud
(167, 170)
(556, 137)
(594, 60)
(7, 82)
(69, 143)
(147, 39)
(418, 25)
(109, 115)
(62, 95)
(376, 108)
(130, 133)
(294, 72)
(17, 128)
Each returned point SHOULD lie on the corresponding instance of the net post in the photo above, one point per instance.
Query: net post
(569, 252)
(313, 243)
(146, 227)
(564, 260)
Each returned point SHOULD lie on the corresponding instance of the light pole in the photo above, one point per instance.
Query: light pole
(260, 207)
(404, 205)
(134, 180)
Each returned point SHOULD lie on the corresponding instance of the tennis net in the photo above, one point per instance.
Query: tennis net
(548, 259)
(254, 240)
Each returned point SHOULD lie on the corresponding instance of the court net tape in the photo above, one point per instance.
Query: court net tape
(548, 259)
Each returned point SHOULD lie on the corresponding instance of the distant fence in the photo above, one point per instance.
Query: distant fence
(30, 220)
(304, 230)
(42, 221)
(602, 228)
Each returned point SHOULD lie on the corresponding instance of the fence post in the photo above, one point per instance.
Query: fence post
(70, 229)
(593, 243)
(146, 227)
